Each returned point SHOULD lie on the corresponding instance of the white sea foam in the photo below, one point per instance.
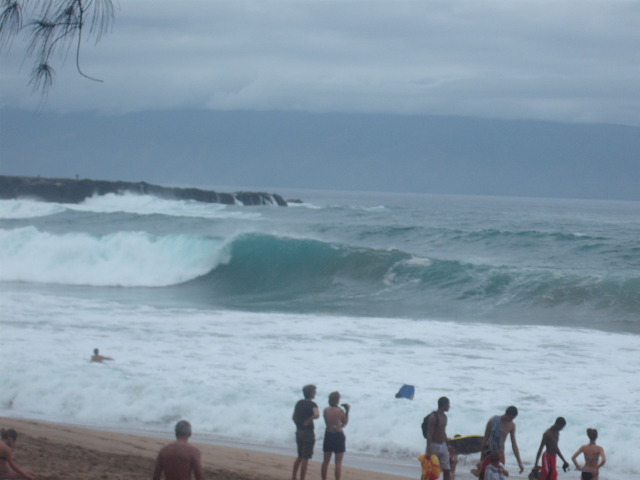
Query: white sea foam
(126, 203)
(12, 209)
(118, 259)
(238, 374)
(310, 206)
(420, 262)
(149, 205)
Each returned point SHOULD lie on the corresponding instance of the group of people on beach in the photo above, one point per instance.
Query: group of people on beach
(499, 427)
(180, 460)
(492, 461)
(335, 418)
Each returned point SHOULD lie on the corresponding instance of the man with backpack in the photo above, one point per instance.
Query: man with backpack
(434, 429)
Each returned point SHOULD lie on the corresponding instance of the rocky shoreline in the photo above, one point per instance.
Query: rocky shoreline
(65, 190)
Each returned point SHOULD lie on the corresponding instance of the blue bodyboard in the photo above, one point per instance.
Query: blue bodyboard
(406, 391)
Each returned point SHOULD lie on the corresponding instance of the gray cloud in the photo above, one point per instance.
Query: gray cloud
(568, 61)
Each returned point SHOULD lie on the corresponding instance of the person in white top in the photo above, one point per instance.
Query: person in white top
(495, 470)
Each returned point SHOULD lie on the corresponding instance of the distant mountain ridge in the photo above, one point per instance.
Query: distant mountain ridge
(327, 151)
(66, 190)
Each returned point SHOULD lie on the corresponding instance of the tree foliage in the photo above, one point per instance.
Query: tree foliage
(53, 28)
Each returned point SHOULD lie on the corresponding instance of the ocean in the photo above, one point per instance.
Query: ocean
(220, 314)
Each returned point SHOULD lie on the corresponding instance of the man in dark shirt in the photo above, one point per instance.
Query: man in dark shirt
(305, 412)
(550, 440)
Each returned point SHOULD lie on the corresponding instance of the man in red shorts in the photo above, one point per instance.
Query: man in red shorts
(550, 440)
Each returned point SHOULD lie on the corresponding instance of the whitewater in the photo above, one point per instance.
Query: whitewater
(220, 314)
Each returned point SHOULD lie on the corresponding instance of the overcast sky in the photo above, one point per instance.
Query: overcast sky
(569, 61)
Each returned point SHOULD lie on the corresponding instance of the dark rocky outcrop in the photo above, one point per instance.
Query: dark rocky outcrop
(64, 190)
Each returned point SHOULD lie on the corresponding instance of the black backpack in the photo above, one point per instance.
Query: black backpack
(425, 423)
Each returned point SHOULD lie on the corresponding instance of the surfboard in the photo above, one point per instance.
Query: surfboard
(467, 444)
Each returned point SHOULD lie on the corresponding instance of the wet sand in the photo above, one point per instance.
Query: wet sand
(62, 452)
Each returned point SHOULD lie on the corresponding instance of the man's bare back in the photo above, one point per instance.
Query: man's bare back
(179, 459)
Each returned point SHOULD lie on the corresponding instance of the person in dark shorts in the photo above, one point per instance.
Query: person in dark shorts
(334, 440)
(594, 457)
(304, 413)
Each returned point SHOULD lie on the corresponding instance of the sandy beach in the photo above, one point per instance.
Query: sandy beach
(62, 452)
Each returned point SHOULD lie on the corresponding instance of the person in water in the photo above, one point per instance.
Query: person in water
(550, 440)
(8, 467)
(99, 358)
(334, 439)
(594, 457)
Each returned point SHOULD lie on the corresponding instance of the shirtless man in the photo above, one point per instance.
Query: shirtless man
(495, 436)
(437, 436)
(550, 440)
(179, 459)
(99, 358)
(8, 468)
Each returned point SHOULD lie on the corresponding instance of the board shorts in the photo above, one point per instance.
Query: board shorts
(305, 441)
(334, 442)
(549, 471)
(586, 475)
(441, 451)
